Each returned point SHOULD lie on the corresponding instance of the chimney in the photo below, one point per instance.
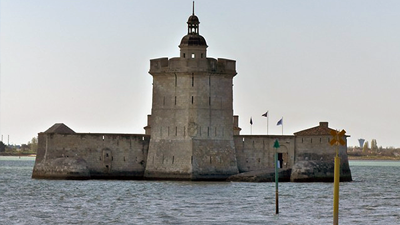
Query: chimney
(323, 124)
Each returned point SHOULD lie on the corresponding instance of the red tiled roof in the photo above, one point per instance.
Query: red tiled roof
(322, 129)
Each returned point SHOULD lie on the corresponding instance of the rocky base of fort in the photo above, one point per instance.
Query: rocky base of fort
(62, 168)
(317, 171)
(265, 175)
(302, 171)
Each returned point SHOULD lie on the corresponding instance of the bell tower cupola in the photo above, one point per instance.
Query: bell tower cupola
(193, 45)
(193, 23)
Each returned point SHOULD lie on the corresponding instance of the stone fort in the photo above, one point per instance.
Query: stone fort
(191, 134)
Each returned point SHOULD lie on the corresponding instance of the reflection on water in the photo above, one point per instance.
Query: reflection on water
(373, 198)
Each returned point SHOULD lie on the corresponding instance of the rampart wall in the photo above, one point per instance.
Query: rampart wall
(256, 152)
(110, 156)
(125, 156)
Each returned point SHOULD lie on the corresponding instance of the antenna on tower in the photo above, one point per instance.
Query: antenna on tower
(193, 8)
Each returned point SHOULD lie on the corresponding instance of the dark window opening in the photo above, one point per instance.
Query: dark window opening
(175, 100)
(176, 80)
(192, 80)
(192, 99)
(280, 160)
(184, 55)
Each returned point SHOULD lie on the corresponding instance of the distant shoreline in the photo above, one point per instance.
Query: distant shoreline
(11, 154)
(374, 157)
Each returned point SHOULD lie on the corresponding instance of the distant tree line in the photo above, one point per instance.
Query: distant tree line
(24, 149)
(372, 149)
(2, 147)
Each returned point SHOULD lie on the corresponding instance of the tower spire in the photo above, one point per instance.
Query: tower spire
(193, 23)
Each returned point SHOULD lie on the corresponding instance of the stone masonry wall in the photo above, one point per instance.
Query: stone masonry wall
(191, 119)
(106, 155)
(256, 152)
(316, 149)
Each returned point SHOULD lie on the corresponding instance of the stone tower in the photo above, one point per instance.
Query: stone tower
(192, 123)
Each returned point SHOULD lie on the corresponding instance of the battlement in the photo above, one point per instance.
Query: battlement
(188, 65)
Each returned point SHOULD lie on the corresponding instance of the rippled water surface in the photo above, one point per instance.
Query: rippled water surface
(373, 198)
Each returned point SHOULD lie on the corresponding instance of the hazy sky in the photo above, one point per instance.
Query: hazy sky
(85, 63)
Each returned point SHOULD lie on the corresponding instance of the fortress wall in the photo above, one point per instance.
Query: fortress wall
(256, 152)
(41, 148)
(106, 155)
(172, 160)
(317, 148)
(213, 159)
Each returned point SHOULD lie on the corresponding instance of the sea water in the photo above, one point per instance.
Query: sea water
(372, 198)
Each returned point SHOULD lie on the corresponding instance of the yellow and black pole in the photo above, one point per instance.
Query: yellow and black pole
(276, 146)
(336, 181)
(336, 140)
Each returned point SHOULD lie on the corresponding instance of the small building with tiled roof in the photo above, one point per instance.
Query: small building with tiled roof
(313, 146)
